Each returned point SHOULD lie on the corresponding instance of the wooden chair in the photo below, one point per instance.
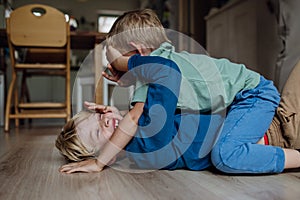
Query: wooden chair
(43, 34)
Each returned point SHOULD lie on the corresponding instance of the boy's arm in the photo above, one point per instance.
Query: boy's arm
(124, 79)
(118, 67)
(116, 59)
(121, 137)
(119, 61)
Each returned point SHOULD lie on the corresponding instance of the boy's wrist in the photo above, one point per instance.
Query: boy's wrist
(116, 59)
(121, 63)
(99, 164)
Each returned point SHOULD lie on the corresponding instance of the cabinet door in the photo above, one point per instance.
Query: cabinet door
(217, 36)
(243, 33)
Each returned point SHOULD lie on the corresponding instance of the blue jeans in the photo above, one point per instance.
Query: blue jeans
(247, 120)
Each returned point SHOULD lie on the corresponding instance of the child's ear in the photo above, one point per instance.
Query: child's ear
(141, 49)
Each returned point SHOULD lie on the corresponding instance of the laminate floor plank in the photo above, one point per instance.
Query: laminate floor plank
(29, 165)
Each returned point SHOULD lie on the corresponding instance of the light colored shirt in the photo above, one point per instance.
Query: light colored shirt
(208, 84)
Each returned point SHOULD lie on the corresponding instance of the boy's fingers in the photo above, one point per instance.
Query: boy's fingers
(111, 69)
(65, 169)
(93, 106)
(72, 167)
(78, 169)
(90, 105)
(101, 108)
(70, 170)
(106, 75)
(86, 103)
(68, 166)
(112, 115)
(111, 78)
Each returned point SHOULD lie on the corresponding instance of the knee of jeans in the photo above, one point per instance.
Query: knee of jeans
(222, 159)
(216, 157)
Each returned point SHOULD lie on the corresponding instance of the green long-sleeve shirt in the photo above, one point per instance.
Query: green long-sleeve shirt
(208, 84)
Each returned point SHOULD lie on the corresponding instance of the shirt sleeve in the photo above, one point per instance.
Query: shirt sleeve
(149, 69)
(151, 147)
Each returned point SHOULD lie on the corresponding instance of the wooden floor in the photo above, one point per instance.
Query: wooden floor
(29, 166)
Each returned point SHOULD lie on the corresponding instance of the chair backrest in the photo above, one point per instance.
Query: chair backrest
(37, 25)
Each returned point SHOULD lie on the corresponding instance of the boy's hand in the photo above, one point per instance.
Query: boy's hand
(101, 108)
(90, 165)
(123, 80)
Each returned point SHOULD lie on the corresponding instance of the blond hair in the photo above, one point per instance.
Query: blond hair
(139, 26)
(68, 142)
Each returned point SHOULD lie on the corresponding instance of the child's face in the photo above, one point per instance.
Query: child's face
(95, 130)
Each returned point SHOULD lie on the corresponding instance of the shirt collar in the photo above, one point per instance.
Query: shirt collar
(166, 46)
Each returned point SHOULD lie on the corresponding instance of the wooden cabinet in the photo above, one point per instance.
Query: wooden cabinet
(245, 31)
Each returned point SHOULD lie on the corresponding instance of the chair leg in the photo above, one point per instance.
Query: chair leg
(25, 97)
(8, 101)
(16, 103)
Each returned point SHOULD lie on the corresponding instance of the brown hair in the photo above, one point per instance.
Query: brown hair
(140, 26)
(68, 142)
